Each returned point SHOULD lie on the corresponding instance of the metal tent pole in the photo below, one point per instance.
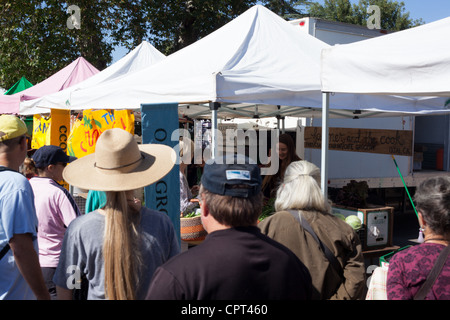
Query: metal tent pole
(214, 106)
(324, 155)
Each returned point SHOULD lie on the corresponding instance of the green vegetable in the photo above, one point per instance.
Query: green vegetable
(267, 210)
(340, 216)
(354, 222)
(192, 214)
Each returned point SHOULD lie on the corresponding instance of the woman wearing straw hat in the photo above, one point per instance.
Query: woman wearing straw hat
(118, 247)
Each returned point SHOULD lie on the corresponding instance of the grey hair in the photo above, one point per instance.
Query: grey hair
(432, 199)
(300, 189)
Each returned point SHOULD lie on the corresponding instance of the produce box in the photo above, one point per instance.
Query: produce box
(384, 260)
(377, 224)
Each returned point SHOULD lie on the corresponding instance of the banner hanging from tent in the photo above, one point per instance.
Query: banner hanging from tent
(159, 121)
(41, 131)
(86, 131)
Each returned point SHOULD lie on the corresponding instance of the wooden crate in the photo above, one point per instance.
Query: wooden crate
(372, 219)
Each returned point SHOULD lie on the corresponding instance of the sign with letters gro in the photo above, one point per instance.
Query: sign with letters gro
(158, 122)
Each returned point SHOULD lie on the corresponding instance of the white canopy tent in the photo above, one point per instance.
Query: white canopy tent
(140, 57)
(413, 62)
(257, 65)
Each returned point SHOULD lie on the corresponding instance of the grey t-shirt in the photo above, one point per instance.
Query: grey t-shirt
(82, 251)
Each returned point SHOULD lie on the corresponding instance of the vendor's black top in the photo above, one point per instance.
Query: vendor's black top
(233, 264)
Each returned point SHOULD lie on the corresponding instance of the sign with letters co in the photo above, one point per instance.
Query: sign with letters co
(158, 122)
(398, 142)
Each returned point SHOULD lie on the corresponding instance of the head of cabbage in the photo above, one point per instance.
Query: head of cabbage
(354, 222)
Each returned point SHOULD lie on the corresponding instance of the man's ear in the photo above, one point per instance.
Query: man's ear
(204, 207)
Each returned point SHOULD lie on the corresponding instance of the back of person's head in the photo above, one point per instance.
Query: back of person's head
(432, 199)
(300, 189)
(232, 190)
(12, 131)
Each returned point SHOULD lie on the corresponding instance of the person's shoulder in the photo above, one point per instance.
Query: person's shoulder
(278, 217)
(423, 249)
(154, 215)
(13, 180)
(86, 222)
(15, 176)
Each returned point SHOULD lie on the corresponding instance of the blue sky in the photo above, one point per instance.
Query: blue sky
(428, 10)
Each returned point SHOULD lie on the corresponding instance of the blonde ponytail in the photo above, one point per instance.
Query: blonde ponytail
(121, 252)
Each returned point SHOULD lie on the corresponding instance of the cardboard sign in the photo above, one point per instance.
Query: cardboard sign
(394, 142)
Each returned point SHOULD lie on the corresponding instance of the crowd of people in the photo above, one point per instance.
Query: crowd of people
(122, 250)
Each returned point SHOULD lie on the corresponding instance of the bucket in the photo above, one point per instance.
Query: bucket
(191, 230)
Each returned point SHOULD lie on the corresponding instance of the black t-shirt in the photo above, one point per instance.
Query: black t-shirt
(233, 264)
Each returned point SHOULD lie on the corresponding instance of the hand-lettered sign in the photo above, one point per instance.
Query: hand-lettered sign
(394, 142)
(86, 131)
(41, 131)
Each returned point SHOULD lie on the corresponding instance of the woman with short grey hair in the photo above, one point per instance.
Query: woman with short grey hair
(409, 269)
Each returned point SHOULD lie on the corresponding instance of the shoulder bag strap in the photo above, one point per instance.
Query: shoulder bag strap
(434, 273)
(4, 251)
(328, 254)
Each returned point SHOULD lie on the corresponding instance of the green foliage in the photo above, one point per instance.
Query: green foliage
(393, 14)
(35, 41)
(354, 194)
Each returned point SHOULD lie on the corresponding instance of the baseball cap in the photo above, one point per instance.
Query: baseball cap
(11, 127)
(48, 155)
(220, 176)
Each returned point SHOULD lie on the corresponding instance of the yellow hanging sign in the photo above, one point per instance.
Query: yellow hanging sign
(86, 131)
(41, 131)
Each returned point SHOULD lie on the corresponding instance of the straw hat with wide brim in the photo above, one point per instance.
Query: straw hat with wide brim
(120, 164)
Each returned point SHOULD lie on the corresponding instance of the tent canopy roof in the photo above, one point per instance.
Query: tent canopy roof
(20, 85)
(75, 72)
(413, 62)
(140, 57)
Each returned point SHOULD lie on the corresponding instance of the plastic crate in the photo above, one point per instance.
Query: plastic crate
(385, 259)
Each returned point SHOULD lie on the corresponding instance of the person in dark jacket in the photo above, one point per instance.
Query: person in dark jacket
(235, 261)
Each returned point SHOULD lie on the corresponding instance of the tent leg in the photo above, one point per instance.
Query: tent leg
(214, 106)
(324, 156)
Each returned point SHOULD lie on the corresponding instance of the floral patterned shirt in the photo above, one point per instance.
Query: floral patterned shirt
(409, 268)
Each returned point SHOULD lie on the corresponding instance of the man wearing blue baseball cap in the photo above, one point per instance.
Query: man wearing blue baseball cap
(20, 273)
(235, 261)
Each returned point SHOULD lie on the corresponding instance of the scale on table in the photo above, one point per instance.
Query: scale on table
(376, 231)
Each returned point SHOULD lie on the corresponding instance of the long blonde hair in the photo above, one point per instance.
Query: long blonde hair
(121, 254)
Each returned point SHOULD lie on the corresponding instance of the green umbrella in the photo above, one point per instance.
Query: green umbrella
(20, 85)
